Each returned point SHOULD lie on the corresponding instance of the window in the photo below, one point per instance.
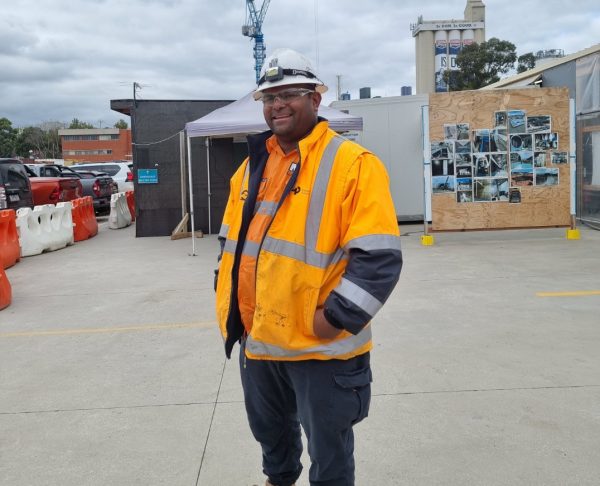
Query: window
(110, 169)
(77, 138)
(88, 152)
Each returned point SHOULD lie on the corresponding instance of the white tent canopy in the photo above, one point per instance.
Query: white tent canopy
(245, 116)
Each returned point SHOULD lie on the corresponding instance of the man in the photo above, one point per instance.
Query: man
(310, 252)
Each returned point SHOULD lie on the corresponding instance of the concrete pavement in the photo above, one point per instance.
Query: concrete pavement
(112, 370)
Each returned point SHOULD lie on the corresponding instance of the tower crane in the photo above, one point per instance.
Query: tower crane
(253, 29)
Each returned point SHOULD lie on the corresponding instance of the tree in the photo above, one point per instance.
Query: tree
(525, 62)
(121, 124)
(43, 144)
(8, 135)
(29, 139)
(75, 123)
(481, 64)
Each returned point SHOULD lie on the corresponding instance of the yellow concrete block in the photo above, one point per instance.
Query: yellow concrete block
(573, 234)
(427, 240)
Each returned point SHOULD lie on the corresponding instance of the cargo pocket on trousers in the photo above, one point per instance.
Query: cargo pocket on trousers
(357, 383)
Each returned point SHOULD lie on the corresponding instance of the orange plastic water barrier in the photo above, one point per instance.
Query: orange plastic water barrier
(5, 290)
(84, 218)
(131, 203)
(10, 251)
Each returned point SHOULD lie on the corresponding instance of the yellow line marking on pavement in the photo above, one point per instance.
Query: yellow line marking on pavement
(107, 330)
(577, 293)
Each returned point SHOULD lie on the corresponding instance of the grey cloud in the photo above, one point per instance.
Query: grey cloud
(69, 59)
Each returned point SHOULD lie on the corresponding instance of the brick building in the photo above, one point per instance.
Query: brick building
(95, 144)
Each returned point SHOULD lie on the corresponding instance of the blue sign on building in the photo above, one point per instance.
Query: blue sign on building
(147, 176)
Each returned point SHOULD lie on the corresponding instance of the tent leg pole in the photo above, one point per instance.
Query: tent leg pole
(208, 175)
(182, 171)
(189, 151)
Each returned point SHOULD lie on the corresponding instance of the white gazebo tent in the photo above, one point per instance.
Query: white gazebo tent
(243, 117)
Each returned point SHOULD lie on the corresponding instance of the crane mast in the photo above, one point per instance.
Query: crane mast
(253, 29)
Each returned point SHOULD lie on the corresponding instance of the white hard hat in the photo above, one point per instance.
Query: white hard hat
(286, 66)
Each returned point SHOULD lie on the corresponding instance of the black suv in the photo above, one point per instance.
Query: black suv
(15, 189)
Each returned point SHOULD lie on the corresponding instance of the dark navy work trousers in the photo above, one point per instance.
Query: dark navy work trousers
(326, 398)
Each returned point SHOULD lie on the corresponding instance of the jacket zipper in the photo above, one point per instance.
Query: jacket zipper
(286, 191)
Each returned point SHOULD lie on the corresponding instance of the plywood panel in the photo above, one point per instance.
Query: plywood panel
(540, 206)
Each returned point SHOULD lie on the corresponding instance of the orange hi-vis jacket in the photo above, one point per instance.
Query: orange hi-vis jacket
(278, 171)
(332, 242)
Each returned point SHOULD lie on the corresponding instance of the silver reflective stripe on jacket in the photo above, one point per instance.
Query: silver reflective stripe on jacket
(223, 231)
(374, 242)
(267, 208)
(230, 246)
(359, 297)
(302, 253)
(332, 349)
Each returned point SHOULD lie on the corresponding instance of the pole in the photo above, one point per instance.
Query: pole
(207, 142)
(572, 160)
(189, 151)
(182, 172)
(426, 168)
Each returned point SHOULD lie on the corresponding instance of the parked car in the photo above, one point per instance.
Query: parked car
(99, 185)
(52, 190)
(119, 171)
(15, 188)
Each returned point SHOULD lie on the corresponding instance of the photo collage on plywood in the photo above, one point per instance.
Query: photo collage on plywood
(488, 164)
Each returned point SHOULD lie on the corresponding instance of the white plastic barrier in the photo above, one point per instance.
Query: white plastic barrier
(45, 228)
(62, 224)
(119, 217)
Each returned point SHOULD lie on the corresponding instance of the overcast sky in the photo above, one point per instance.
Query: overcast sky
(65, 59)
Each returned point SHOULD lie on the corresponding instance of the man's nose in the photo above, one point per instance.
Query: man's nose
(277, 102)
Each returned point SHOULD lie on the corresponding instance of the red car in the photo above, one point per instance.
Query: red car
(52, 190)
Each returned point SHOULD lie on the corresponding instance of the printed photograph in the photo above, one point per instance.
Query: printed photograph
(499, 140)
(524, 157)
(450, 132)
(464, 196)
(462, 159)
(464, 184)
(539, 159)
(516, 121)
(442, 167)
(464, 170)
(482, 190)
(499, 165)
(514, 195)
(536, 124)
(519, 143)
(462, 146)
(481, 164)
(441, 184)
(521, 173)
(442, 150)
(481, 140)
(500, 119)
(546, 141)
(499, 188)
(560, 158)
(545, 176)
(460, 131)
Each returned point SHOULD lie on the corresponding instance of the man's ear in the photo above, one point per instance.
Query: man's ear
(316, 101)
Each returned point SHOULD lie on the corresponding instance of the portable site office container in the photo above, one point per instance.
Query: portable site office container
(392, 130)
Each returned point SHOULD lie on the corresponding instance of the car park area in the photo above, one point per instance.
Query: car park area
(485, 366)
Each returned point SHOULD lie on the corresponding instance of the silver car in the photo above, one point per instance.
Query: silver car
(119, 171)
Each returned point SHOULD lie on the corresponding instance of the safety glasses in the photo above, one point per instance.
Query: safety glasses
(286, 96)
